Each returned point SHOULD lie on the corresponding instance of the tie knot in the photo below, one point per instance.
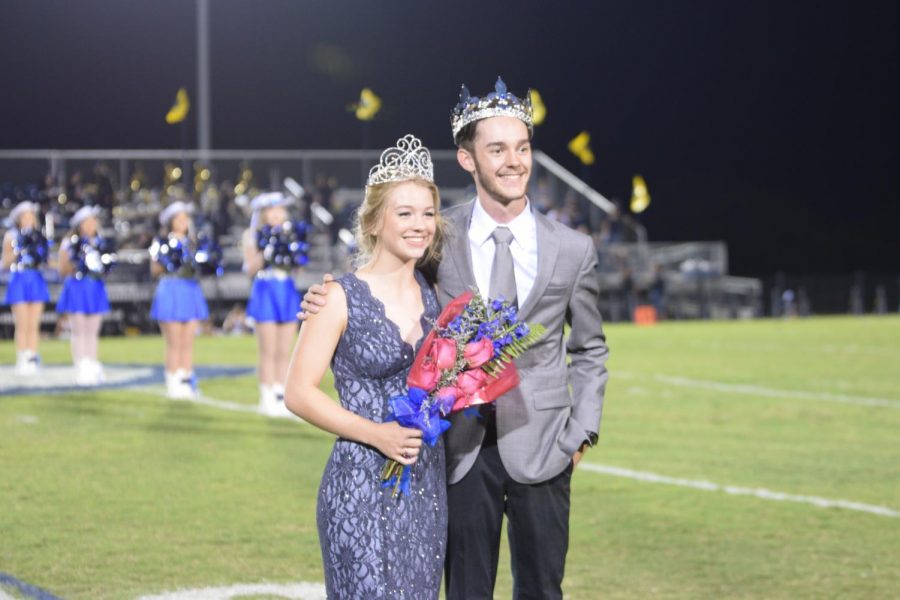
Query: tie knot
(502, 235)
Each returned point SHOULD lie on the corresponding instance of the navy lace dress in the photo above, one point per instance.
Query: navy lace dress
(375, 545)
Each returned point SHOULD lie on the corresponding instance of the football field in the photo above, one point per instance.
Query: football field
(756, 459)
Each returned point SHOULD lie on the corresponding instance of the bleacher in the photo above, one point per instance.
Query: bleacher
(693, 278)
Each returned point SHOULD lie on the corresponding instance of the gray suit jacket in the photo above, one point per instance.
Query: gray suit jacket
(544, 421)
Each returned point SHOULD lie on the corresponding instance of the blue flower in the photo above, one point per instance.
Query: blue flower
(497, 304)
(522, 330)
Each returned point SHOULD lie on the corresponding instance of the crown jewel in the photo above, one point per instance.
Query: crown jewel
(499, 103)
(409, 159)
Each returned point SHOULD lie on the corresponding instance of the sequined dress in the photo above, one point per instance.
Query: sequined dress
(374, 545)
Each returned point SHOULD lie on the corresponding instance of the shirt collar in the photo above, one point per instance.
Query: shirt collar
(483, 225)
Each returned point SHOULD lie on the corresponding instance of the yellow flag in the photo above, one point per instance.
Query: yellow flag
(368, 106)
(539, 110)
(580, 146)
(179, 110)
(640, 197)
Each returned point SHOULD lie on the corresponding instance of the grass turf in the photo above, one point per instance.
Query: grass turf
(117, 493)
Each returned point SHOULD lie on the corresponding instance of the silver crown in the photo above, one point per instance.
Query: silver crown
(499, 103)
(409, 159)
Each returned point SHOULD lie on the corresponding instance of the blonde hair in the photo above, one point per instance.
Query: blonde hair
(371, 213)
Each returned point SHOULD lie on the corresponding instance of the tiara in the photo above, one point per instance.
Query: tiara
(409, 159)
(499, 103)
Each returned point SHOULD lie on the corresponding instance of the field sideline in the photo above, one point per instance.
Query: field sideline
(753, 459)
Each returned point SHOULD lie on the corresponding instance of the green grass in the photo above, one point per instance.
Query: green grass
(118, 493)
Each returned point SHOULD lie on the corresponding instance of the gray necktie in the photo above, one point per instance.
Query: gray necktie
(503, 274)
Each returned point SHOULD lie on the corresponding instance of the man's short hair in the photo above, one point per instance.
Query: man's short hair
(465, 139)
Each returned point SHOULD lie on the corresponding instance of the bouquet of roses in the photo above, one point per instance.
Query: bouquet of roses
(466, 360)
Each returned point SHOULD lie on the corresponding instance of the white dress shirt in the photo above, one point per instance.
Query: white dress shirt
(523, 248)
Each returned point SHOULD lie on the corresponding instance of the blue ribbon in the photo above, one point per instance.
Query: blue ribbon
(405, 476)
(412, 410)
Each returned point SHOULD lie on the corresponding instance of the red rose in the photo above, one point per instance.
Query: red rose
(488, 390)
(478, 353)
(471, 381)
(443, 353)
(446, 397)
(424, 373)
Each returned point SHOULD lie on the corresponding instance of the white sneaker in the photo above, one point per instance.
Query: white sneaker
(188, 386)
(97, 369)
(84, 373)
(266, 401)
(22, 362)
(28, 363)
(173, 385)
(279, 409)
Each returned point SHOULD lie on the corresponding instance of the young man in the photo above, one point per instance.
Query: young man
(516, 458)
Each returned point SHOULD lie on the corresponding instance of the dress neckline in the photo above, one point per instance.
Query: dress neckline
(392, 323)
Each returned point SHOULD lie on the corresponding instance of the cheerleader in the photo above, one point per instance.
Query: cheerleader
(84, 258)
(178, 302)
(273, 246)
(24, 249)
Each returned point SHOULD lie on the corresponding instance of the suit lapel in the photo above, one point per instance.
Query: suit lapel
(459, 254)
(548, 251)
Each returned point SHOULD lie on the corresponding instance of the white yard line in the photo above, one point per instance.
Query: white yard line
(882, 351)
(297, 591)
(708, 486)
(644, 476)
(215, 403)
(204, 400)
(758, 390)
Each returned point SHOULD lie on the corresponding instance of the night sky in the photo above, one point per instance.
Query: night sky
(770, 125)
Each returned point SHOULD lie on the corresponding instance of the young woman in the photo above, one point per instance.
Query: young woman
(273, 247)
(84, 258)
(24, 250)
(373, 544)
(178, 303)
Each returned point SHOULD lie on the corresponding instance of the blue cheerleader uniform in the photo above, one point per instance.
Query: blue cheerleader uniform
(273, 297)
(179, 299)
(26, 283)
(84, 292)
(178, 296)
(86, 295)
